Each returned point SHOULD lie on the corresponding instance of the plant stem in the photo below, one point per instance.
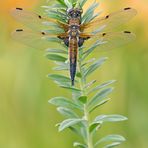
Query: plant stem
(86, 113)
(89, 137)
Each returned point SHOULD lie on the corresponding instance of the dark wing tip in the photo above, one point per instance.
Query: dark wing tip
(127, 8)
(19, 30)
(43, 33)
(107, 16)
(131, 10)
(127, 32)
(103, 34)
(17, 8)
(39, 16)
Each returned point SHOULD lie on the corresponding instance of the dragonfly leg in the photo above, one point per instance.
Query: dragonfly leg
(81, 41)
(66, 41)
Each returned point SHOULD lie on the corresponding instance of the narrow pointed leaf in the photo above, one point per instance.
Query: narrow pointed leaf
(68, 4)
(69, 122)
(114, 144)
(61, 2)
(90, 83)
(57, 51)
(89, 13)
(64, 102)
(59, 77)
(91, 49)
(67, 112)
(114, 139)
(99, 104)
(94, 66)
(99, 97)
(62, 66)
(109, 118)
(80, 145)
(102, 85)
(72, 88)
(88, 62)
(82, 2)
(56, 57)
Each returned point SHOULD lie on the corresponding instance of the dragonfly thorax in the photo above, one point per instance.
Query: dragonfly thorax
(74, 31)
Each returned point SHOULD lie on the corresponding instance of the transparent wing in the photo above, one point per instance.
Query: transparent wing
(110, 21)
(111, 40)
(37, 40)
(33, 20)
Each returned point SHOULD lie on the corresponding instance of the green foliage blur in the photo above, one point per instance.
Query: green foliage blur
(26, 118)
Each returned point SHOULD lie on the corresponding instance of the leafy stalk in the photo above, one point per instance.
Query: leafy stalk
(77, 111)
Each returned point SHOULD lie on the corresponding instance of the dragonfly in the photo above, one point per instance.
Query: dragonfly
(75, 33)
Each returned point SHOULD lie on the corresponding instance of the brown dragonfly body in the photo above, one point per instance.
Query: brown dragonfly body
(73, 40)
(75, 32)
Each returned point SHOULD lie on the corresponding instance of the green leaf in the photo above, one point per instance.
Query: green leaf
(89, 61)
(82, 2)
(69, 122)
(99, 97)
(83, 99)
(102, 86)
(89, 12)
(114, 144)
(91, 49)
(89, 84)
(109, 118)
(67, 112)
(57, 51)
(60, 79)
(72, 88)
(93, 127)
(56, 57)
(116, 139)
(94, 66)
(61, 2)
(79, 131)
(99, 104)
(64, 102)
(80, 145)
(68, 4)
(52, 39)
(62, 66)
(78, 74)
(88, 19)
(75, 130)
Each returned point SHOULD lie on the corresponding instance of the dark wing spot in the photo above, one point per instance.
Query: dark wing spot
(107, 17)
(43, 33)
(39, 17)
(127, 8)
(19, 8)
(87, 38)
(19, 30)
(103, 34)
(127, 32)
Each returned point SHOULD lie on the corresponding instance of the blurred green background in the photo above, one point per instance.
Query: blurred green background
(26, 118)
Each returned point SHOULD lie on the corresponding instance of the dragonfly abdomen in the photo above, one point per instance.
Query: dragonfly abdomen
(73, 51)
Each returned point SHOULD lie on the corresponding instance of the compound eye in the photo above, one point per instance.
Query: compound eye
(78, 14)
(69, 11)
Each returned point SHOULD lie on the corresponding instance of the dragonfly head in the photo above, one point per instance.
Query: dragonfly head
(74, 13)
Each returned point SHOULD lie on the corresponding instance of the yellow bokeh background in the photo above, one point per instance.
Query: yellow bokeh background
(26, 118)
